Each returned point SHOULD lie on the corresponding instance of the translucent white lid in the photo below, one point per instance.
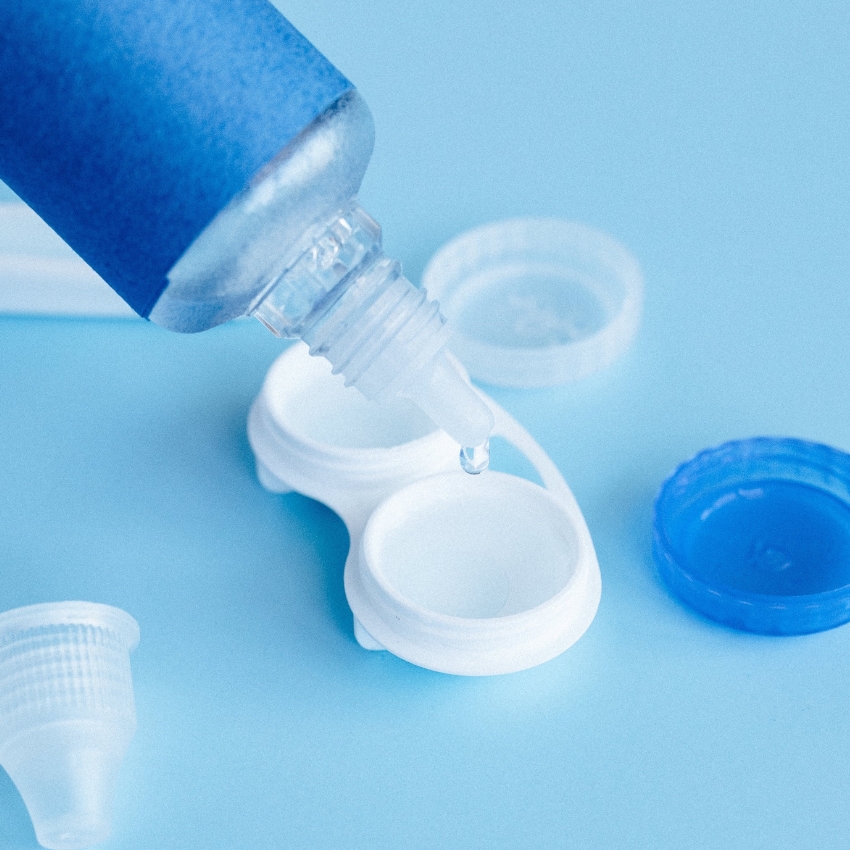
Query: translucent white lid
(536, 302)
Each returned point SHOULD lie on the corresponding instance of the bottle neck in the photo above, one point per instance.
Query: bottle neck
(352, 305)
(332, 254)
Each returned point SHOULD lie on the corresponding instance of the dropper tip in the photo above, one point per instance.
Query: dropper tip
(447, 397)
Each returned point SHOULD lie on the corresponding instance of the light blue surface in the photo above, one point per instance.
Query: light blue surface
(709, 139)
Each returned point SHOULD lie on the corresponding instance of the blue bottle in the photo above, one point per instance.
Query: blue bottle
(204, 158)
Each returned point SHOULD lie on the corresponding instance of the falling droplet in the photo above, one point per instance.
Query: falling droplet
(475, 459)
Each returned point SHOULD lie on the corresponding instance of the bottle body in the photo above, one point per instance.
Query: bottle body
(203, 157)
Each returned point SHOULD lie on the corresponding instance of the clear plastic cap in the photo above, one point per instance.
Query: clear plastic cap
(536, 302)
(66, 714)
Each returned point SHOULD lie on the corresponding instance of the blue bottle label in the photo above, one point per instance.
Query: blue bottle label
(129, 124)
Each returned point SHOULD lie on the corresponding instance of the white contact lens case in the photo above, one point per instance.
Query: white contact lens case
(472, 575)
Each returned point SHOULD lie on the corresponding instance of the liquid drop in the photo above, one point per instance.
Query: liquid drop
(475, 459)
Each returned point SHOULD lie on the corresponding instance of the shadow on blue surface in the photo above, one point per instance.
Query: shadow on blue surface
(323, 529)
(328, 536)
(16, 831)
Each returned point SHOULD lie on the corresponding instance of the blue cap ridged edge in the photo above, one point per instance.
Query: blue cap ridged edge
(767, 614)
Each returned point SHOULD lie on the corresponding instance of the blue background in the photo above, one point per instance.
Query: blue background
(711, 139)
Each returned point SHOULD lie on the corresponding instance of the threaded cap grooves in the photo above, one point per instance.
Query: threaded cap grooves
(56, 671)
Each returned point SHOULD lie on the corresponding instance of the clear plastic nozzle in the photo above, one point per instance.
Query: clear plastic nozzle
(451, 402)
(352, 305)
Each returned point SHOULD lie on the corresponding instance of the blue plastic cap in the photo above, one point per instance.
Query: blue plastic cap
(756, 535)
(129, 124)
